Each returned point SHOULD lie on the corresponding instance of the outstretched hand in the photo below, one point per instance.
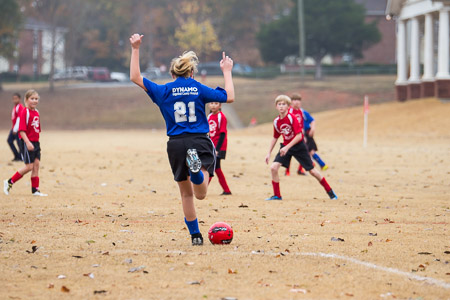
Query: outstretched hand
(135, 40)
(226, 63)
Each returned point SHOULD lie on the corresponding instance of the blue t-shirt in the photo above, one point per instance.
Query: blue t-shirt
(307, 119)
(182, 104)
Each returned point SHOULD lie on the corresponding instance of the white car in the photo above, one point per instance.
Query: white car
(119, 77)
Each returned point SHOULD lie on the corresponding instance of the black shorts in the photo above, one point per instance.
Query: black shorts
(299, 152)
(28, 156)
(310, 142)
(177, 147)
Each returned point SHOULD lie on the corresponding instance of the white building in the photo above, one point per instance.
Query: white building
(423, 39)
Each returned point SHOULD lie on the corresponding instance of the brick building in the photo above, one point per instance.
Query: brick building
(384, 51)
(34, 47)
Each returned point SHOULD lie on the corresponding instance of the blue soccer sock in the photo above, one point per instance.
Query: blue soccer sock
(192, 226)
(197, 178)
(319, 160)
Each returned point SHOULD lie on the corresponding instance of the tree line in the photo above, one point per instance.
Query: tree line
(255, 32)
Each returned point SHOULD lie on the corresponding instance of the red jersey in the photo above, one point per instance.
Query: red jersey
(16, 113)
(288, 127)
(217, 125)
(298, 114)
(30, 123)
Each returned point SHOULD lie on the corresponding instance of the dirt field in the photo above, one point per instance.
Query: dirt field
(113, 208)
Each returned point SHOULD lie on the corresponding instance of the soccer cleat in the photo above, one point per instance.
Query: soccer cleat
(274, 198)
(38, 193)
(225, 193)
(197, 239)
(193, 161)
(332, 195)
(301, 172)
(324, 168)
(6, 187)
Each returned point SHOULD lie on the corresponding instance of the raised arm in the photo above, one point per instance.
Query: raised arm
(135, 70)
(226, 64)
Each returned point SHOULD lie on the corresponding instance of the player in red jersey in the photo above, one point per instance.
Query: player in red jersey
(293, 144)
(218, 134)
(29, 129)
(296, 110)
(14, 132)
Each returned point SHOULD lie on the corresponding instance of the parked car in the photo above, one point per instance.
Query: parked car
(119, 77)
(72, 73)
(242, 69)
(152, 73)
(209, 68)
(99, 74)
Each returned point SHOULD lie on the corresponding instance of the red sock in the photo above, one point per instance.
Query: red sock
(222, 181)
(300, 168)
(35, 182)
(276, 188)
(210, 178)
(16, 177)
(325, 185)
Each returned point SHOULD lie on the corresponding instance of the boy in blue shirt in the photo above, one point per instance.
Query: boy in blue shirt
(182, 104)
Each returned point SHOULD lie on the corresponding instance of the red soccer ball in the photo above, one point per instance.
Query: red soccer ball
(220, 233)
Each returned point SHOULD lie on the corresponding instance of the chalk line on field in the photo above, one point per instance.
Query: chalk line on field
(376, 267)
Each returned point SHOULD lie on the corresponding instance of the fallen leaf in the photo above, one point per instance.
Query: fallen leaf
(369, 244)
(33, 249)
(65, 289)
(424, 253)
(77, 256)
(99, 292)
(388, 240)
(231, 271)
(132, 270)
(348, 294)
(333, 239)
(50, 286)
(243, 205)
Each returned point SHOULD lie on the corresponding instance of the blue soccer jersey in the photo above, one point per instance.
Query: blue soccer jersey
(307, 119)
(182, 104)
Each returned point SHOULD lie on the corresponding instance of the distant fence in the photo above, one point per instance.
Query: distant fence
(274, 71)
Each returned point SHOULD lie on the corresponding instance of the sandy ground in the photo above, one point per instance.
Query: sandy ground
(113, 208)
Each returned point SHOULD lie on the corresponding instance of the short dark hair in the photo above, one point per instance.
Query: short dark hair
(17, 95)
(296, 96)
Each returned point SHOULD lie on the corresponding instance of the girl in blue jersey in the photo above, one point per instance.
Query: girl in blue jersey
(182, 104)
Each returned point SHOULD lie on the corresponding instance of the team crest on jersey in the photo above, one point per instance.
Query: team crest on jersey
(35, 123)
(212, 128)
(286, 131)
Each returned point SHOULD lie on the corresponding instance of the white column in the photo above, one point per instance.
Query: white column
(401, 53)
(443, 50)
(414, 77)
(428, 49)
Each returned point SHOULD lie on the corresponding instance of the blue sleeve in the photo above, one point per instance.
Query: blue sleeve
(308, 117)
(154, 91)
(213, 95)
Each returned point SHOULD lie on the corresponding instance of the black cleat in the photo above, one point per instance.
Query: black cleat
(332, 195)
(225, 193)
(197, 239)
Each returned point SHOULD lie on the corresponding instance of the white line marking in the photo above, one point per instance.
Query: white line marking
(374, 266)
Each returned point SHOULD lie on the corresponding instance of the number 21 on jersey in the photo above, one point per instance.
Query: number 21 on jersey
(180, 112)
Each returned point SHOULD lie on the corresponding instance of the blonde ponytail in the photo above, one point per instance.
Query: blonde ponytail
(184, 65)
